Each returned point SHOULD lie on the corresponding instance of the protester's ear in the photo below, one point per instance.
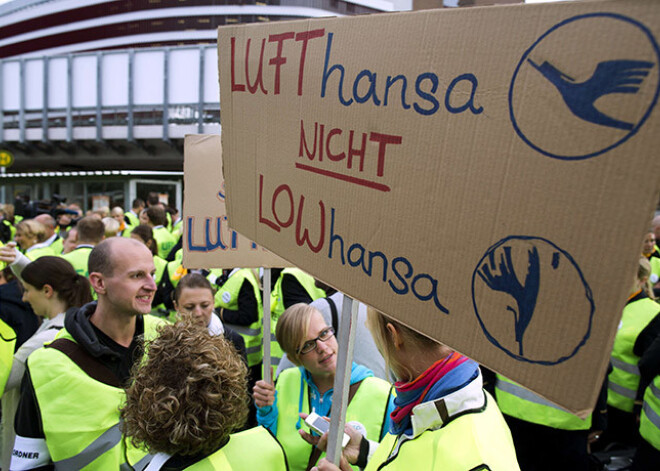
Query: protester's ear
(98, 282)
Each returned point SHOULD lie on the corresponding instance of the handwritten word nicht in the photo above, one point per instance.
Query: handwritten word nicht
(422, 94)
(341, 148)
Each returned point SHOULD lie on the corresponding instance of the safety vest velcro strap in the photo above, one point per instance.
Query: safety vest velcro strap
(626, 392)
(524, 394)
(107, 441)
(627, 367)
(245, 330)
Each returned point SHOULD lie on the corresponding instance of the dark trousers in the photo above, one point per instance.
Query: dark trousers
(647, 457)
(541, 448)
(622, 428)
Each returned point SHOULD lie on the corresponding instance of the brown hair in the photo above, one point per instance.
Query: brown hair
(72, 288)
(188, 394)
(156, 215)
(90, 230)
(377, 324)
(146, 234)
(291, 329)
(192, 281)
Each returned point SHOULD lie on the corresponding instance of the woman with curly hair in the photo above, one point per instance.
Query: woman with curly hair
(187, 399)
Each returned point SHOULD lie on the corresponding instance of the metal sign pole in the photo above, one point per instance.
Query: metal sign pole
(346, 343)
(266, 326)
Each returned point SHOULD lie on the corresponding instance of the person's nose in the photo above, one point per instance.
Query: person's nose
(151, 284)
(322, 347)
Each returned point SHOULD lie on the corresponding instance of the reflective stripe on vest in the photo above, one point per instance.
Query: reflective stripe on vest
(7, 346)
(649, 426)
(251, 450)
(227, 298)
(623, 381)
(367, 407)
(469, 441)
(80, 416)
(107, 441)
(521, 403)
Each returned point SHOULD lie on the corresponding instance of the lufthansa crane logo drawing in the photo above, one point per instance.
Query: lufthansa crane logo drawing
(593, 94)
(520, 289)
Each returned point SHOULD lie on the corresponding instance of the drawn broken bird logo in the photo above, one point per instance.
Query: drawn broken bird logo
(614, 76)
(527, 294)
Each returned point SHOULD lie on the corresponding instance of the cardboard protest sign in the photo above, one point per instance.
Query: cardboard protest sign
(484, 175)
(208, 242)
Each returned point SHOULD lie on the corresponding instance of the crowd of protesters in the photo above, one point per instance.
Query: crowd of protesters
(116, 356)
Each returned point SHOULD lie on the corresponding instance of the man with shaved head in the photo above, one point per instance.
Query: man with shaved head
(68, 415)
(54, 241)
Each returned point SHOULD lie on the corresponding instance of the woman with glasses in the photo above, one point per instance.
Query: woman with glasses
(311, 345)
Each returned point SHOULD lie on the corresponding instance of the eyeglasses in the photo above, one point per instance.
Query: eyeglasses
(311, 344)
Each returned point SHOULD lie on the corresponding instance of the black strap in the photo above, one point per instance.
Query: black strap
(334, 313)
(90, 365)
(316, 452)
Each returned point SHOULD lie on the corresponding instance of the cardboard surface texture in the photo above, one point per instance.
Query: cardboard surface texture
(208, 242)
(484, 175)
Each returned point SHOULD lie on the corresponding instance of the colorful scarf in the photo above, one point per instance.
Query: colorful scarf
(442, 378)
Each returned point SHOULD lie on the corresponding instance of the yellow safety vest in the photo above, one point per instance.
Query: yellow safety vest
(7, 346)
(78, 258)
(368, 407)
(307, 281)
(521, 403)
(649, 425)
(80, 416)
(165, 241)
(40, 252)
(227, 298)
(623, 381)
(469, 441)
(252, 450)
(132, 218)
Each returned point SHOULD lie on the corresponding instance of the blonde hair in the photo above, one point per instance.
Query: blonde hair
(111, 226)
(377, 324)
(30, 227)
(291, 330)
(644, 273)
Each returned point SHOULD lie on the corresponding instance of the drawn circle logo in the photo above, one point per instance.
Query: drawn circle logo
(532, 301)
(586, 86)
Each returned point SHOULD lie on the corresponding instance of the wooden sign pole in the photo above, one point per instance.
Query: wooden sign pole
(266, 326)
(346, 343)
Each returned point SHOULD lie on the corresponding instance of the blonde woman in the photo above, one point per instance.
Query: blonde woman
(444, 420)
(30, 237)
(311, 345)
